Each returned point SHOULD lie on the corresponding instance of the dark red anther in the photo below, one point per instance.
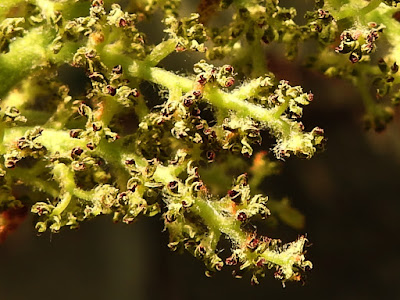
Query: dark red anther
(196, 112)
(318, 130)
(354, 57)
(188, 102)
(202, 80)
(122, 195)
(130, 162)
(253, 243)
(229, 82)
(135, 93)
(197, 94)
(213, 134)
(97, 3)
(74, 133)
(200, 126)
(173, 186)
(394, 68)
(210, 132)
(322, 14)
(234, 195)
(111, 90)
(231, 260)
(133, 187)
(21, 143)
(90, 145)
(122, 22)
(180, 49)
(242, 217)
(81, 109)
(10, 164)
(78, 166)
(96, 127)
(310, 97)
(77, 151)
(260, 263)
(117, 69)
(185, 204)
(198, 186)
(202, 250)
(170, 218)
(229, 69)
(264, 38)
(390, 79)
(372, 37)
(210, 155)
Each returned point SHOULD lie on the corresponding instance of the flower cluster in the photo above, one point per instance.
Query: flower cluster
(115, 149)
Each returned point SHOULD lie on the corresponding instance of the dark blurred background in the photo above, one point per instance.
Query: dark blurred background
(349, 195)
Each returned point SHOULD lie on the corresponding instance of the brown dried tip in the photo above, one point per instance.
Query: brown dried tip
(10, 220)
(396, 16)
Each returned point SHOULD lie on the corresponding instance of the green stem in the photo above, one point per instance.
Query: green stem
(282, 108)
(370, 7)
(65, 177)
(216, 97)
(215, 221)
(362, 87)
(350, 12)
(141, 108)
(25, 53)
(7, 5)
(112, 154)
(111, 107)
(29, 177)
(160, 52)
